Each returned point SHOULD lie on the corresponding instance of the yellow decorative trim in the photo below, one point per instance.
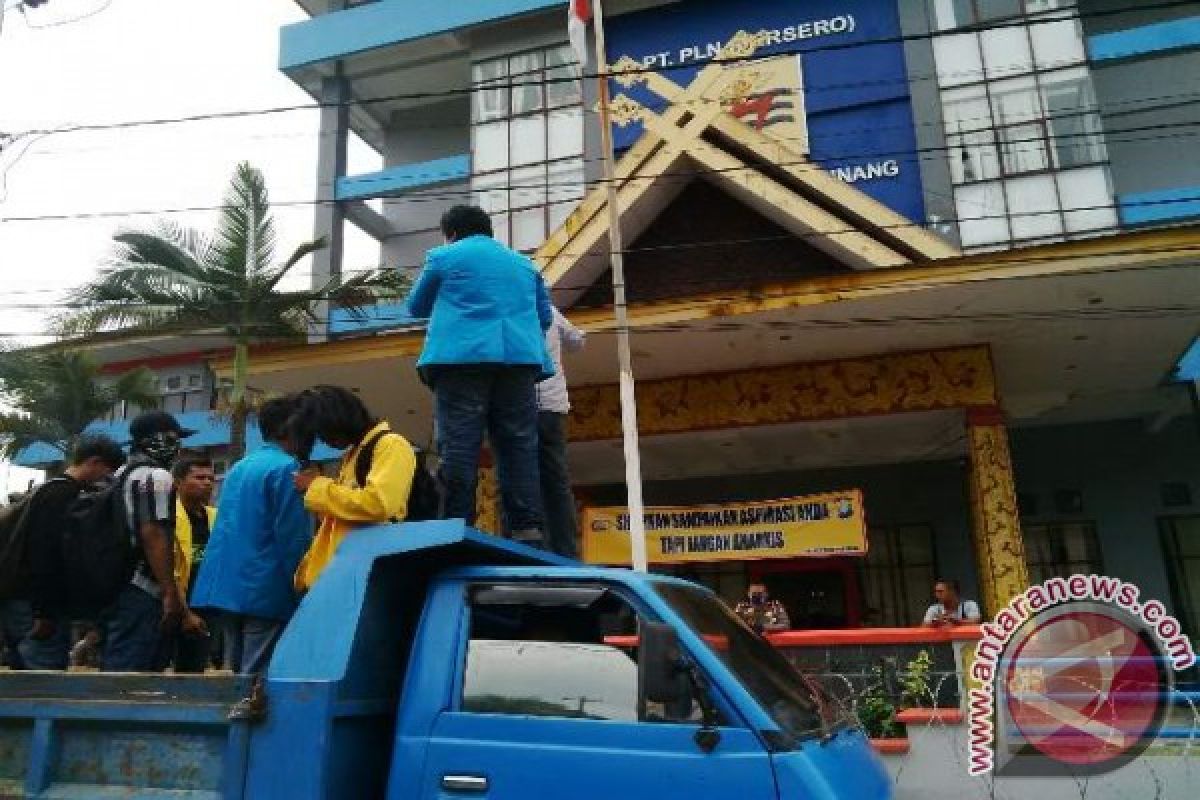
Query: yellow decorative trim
(944, 379)
(742, 45)
(627, 72)
(999, 547)
(624, 110)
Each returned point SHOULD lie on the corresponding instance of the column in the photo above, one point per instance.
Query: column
(329, 216)
(487, 496)
(999, 547)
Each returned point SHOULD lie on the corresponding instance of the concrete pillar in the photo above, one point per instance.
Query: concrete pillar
(329, 216)
(487, 496)
(999, 547)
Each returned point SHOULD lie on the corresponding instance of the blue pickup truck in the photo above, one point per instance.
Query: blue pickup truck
(434, 662)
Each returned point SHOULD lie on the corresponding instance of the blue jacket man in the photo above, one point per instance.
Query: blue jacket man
(485, 351)
(261, 533)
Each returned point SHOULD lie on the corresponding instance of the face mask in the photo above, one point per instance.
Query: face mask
(161, 448)
(758, 598)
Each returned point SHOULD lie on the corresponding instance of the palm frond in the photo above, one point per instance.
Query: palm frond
(244, 243)
(18, 431)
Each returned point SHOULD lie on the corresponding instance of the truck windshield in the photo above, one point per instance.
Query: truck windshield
(797, 702)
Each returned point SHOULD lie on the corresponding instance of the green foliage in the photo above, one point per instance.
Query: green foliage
(877, 712)
(55, 394)
(175, 279)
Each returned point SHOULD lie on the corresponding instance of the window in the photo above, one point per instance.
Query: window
(1061, 549)
(1018, 101)
(545, 651)
(194, 381)
(174, 382)
(527, 140)
(1181, 546)
(898, 575)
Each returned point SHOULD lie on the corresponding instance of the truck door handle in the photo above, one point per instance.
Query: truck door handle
(464, 783)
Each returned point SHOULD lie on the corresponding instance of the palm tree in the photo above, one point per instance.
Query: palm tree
(55, 394)
(179, 280)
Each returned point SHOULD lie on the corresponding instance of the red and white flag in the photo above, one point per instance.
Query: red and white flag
(579, 14)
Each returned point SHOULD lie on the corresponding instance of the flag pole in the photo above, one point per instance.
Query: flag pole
(629, 425)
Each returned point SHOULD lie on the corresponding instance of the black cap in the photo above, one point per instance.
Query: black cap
(149, 423)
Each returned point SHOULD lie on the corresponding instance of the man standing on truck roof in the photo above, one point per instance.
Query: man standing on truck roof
(261, 533)
(553, 404)
(150, 607)
(35, 622)
(374, 479)
(485, 351)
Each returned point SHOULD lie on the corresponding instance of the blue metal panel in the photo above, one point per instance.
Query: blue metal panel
(1160, 206)
(386, 316)
(343, 33)
(841, 768)
(1160, 37)
(1188, 368)
(404, 177)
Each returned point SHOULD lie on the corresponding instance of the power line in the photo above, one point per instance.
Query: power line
(1023, 22)
(438, 195)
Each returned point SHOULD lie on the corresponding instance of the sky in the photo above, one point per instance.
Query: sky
(95, 61)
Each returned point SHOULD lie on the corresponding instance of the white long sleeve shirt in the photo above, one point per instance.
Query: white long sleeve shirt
(552, 392)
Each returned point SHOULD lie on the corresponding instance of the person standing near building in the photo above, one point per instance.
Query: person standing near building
(950, 608)
(762, 612)
(484, 353)
(195, 480)
(35, 620)
(262, 530)
(150, 608)
(373, 481)
(553, 403)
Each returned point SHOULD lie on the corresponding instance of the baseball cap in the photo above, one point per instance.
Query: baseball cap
(149, 423)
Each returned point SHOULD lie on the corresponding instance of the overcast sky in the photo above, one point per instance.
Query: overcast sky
(136, 60)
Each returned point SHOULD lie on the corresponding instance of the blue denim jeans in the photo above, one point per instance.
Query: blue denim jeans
(501, 401)
(16, 622)
(133, 640)
(249, 642)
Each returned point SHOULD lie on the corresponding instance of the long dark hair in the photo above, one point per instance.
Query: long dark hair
(331, 413)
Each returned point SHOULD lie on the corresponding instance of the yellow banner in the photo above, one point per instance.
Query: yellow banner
(816, 525)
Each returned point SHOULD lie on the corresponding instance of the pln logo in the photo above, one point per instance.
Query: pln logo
(768, 96)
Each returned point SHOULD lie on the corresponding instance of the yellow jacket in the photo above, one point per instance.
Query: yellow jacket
(185, 553)
(342, 505)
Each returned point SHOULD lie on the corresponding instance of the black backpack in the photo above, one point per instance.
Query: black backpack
(14, 544)
(99, 553)
(425, 496)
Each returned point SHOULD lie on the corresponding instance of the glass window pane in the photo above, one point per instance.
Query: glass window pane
(1057, 44)
(563, 85)
(981, 213)
(997, 9)
(952, 13)
(490, 103)
(528, 228)
(565, 181)
(528, 187)
(490, 146)
(491, 191)
(526, 79)
(1006, 52)
(1087, 190)
(1015, 100)
(565, 133)
(1034, 205)
(500, 228)
(528, 140)
(972, 147)
(559, 212)
(1023, 148)
(1077, 130)
(957, 59)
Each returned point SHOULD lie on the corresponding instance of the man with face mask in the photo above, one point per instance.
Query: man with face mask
(762, 613)
(151, 608)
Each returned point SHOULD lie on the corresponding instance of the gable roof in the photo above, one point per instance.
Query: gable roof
(697, 137)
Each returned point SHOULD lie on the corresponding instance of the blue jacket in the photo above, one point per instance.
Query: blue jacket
(261, 533)
(486, 304)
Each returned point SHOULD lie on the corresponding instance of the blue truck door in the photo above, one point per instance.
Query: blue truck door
(546, 705)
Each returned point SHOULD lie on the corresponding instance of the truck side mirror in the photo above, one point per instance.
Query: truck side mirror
(662, 673)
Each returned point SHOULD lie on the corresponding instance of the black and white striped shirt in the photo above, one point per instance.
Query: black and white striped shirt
(149, 496)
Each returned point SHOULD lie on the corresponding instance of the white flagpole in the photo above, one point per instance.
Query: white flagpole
(629, 427)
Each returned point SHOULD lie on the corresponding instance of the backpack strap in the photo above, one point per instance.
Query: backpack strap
(366, 453)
